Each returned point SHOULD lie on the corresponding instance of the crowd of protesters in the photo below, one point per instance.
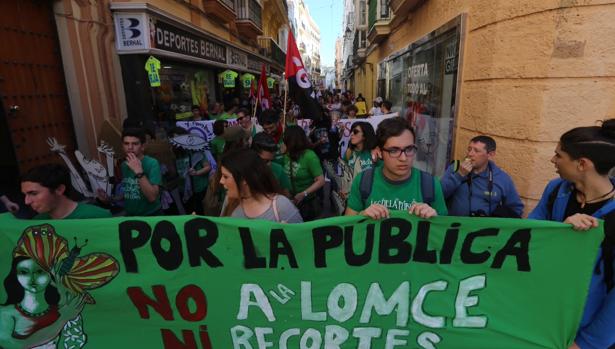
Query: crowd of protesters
(267, 167)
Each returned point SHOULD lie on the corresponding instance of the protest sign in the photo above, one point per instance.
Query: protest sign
(343, 282)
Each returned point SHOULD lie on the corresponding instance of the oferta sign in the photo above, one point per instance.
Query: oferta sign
(345, 282)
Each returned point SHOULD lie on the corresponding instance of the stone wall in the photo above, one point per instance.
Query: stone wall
(531, 71)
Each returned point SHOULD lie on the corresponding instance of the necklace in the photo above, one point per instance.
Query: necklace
(25, 312)
(583, 201)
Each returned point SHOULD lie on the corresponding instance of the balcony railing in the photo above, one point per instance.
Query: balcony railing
(221, 9)
(249, 10)
(269, 48)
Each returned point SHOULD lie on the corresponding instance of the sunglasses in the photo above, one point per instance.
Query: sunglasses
(356, 131)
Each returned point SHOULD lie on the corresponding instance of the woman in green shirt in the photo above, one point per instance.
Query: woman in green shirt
(358, 155)
(305, 172)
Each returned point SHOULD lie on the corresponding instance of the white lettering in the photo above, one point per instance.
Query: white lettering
(261, 301)
(464, 301)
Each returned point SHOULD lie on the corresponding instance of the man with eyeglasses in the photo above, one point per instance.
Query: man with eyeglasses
(476, 187)
(245, 121)
(393, 184)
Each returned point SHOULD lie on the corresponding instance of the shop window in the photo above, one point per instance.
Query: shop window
(181, 87)
(422, 86)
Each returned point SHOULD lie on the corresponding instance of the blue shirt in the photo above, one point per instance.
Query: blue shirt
(461, 203)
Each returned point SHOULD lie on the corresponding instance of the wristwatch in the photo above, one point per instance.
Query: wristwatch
(140, 175)
(305, 194)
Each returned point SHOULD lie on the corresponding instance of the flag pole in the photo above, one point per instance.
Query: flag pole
(284, 114)
(258, 97)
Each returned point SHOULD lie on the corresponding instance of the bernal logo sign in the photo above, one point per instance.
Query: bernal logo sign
(130, 29)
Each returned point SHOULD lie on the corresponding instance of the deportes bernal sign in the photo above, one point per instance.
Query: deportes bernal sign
(138, 32)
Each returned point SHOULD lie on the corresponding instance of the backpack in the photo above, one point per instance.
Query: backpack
(427, 186)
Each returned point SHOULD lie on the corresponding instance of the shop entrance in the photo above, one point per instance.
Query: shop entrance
(34, 102)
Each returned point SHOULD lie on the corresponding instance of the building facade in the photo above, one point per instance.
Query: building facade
(307, 36)
(83, 68)
(523, 72)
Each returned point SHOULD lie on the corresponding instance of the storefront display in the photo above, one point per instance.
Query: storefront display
(426, 73)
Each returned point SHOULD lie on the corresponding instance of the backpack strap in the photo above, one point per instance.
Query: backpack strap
(365, 186)
(427, 188)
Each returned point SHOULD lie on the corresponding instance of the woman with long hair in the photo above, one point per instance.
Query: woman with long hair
(304, 171)
(362, 142)
(584, 194)
(36, 314)
(251, 189)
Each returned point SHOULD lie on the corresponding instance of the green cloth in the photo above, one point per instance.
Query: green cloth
(135, 203)
(246, 80)
(199, 183)
(466, 283)
(216, 146)
(270, 82)
(152, 66)
(226, 116)
(364, 158)
(303, 171)
(228, 78)
(395, 196)
(281, 176)
(82, 211)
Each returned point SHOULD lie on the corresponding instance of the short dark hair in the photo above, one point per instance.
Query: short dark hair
(269, 116)
(218, 127)
(392, 127)
(387, 104)
(489, 142)
(50, 176)
(134, 132)
(243, 110)
(263, 141)
(596, 143)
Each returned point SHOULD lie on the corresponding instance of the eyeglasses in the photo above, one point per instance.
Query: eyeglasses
(356, 131)
(396, 152)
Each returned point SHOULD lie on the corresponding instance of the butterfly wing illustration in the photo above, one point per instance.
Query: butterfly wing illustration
(42, 244)
(90, 272)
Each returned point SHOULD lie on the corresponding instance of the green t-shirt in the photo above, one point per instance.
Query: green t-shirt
(82, 211)
(281, 176)
(216, 146)
(364, 158)
(152, 65)
(303, 171)
(228, 78)
(395, 195)
(134, 202)
(199, 183)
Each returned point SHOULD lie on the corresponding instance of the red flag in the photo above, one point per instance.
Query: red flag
(299, 85)
(263, 90)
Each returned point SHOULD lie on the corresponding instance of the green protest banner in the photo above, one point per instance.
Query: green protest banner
(344, 282)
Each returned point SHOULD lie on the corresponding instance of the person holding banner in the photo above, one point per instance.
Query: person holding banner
(584, 194)
(305, 172)
(46, 187)
(395, 184)
(252, 191)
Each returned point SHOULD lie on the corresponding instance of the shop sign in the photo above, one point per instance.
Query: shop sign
(236, 57)
(169, 38)
(255, 64)
(131, 31)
